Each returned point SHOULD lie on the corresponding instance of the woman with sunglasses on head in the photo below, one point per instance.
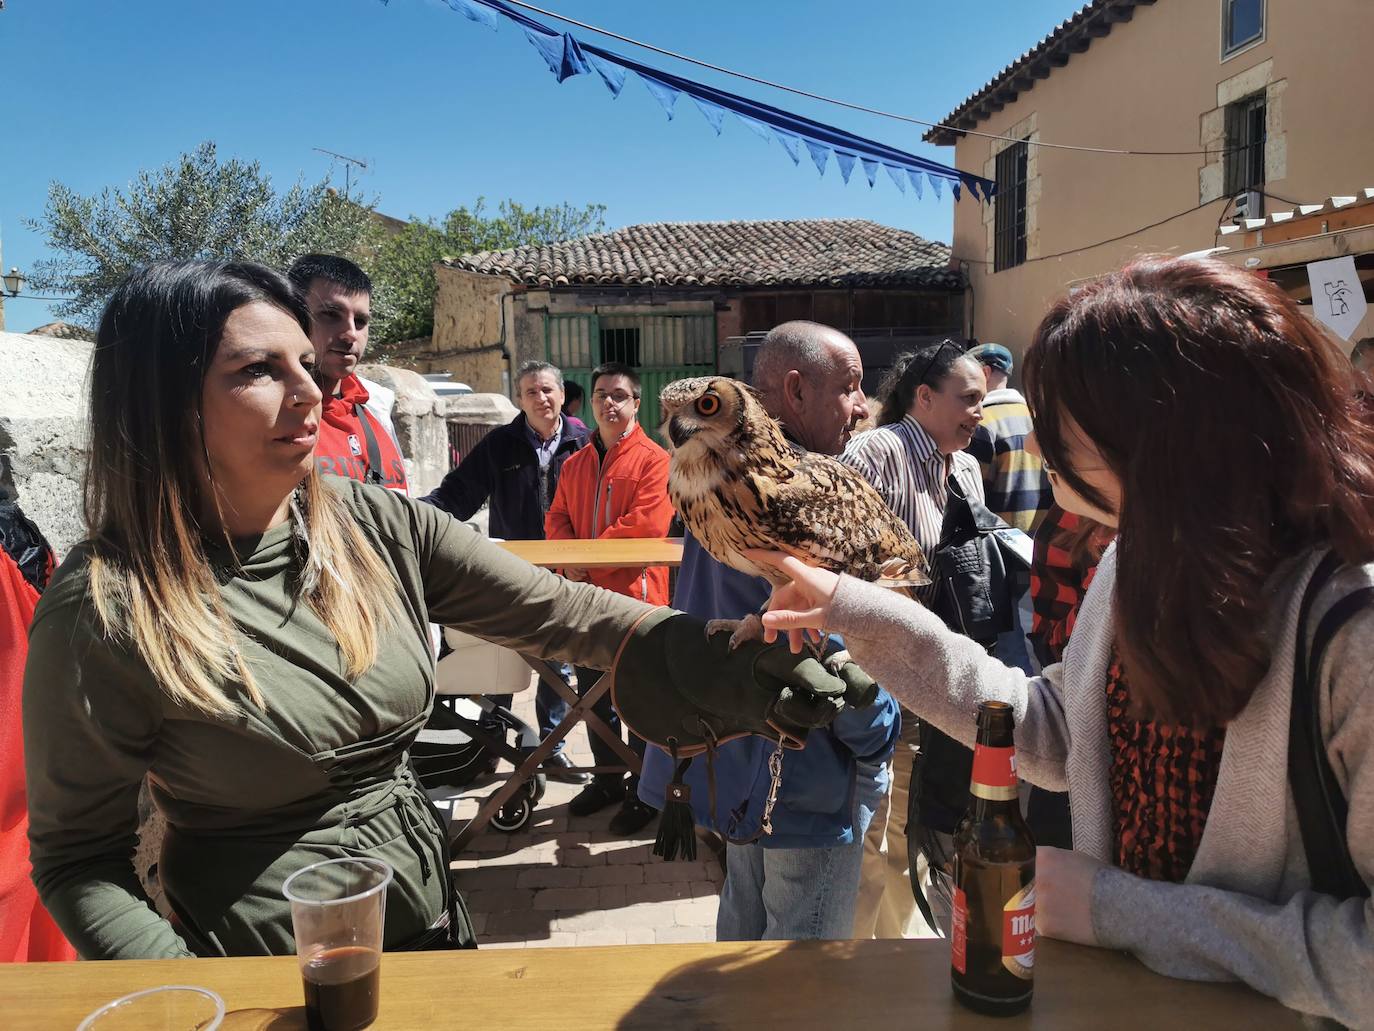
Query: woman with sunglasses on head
(254, 638)
(1193, 407)
(932, 403)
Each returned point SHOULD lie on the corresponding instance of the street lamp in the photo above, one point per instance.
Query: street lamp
(14, 282)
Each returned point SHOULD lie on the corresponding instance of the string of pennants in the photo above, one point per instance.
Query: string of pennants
(567, 56)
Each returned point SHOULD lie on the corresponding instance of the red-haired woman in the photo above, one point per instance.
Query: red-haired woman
(1193, 407)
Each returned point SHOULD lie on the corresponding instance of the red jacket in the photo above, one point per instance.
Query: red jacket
(342, 445)
(27, 932)
(626, 495)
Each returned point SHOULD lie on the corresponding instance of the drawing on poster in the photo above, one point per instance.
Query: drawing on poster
(1338, 299)
(1338, 296)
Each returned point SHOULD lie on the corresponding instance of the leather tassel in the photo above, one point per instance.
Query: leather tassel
(677, 836)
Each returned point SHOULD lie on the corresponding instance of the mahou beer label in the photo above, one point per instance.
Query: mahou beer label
(1018, 932)
(994, 773)
(958, 932)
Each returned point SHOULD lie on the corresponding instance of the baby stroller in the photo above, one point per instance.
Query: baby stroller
(468, 734)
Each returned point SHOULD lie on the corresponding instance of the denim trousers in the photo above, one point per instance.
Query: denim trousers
(789, 894)
(549, 706)
(797, 894)
(603, 753)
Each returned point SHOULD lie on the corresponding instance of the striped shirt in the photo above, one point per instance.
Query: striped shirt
(1016, 485)
(906, 468)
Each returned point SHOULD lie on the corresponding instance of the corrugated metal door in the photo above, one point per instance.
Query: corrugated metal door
(662, 348)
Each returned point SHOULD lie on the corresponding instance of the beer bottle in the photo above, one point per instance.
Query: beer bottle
(992, 924)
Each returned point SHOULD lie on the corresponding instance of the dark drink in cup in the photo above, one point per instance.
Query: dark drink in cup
(341, 988)
(338, 908)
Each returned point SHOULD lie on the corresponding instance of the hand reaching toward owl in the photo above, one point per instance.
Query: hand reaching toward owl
(801, 606)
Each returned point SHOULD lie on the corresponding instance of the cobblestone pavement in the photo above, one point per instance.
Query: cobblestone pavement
(565, 880)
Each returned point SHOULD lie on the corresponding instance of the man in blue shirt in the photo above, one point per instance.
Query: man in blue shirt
(802, 880)
(514, 469)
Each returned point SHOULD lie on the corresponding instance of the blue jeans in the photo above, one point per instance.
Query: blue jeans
(549, 706)
(789, 894)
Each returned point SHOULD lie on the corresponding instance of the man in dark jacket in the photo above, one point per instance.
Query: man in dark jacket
(514, 469)
(801, 879)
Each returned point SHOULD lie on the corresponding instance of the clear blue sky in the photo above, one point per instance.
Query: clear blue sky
(448, 111)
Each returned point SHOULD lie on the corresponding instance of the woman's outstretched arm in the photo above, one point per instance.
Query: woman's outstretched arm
(939, 675)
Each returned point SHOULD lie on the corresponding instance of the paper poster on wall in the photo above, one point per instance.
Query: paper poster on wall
(1337, 294)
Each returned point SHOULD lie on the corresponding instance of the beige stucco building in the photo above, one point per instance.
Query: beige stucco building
(1272, 93)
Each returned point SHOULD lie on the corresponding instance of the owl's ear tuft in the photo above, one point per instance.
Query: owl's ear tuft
(743, 388)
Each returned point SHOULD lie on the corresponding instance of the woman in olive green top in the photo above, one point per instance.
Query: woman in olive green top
(252, 638)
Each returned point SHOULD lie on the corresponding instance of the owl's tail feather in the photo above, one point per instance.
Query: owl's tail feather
(907, 587)
(900, 572)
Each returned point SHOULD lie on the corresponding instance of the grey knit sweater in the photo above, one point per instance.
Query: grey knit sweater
(1246, 911)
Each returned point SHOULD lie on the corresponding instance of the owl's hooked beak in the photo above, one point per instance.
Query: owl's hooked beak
(678, 432)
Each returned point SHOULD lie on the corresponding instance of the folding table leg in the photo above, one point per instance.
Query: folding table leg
(581, 710)
(595, 724)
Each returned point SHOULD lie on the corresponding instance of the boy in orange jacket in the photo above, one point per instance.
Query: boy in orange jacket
(616, 488)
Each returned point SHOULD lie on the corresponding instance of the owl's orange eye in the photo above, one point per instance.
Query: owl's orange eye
(708, 404)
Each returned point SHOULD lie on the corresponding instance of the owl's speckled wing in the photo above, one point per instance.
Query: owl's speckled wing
(829, 515)
(739, 484)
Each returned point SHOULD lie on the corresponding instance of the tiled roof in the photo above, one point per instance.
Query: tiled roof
(1073, 36)
(63, 331)
(815, 252)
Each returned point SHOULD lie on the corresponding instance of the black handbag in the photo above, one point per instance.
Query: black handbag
(1321, 805)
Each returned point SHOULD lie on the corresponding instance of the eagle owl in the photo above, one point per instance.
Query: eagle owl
(738, 483)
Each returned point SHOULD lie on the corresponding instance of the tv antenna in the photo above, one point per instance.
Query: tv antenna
(349, 162)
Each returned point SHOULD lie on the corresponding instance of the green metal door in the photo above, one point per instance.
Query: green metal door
(661, 348)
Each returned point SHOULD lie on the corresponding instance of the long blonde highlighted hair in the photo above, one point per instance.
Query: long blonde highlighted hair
(152, 581)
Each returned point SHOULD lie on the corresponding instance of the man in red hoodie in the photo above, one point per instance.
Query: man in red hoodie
(356, 438)
(616, 488)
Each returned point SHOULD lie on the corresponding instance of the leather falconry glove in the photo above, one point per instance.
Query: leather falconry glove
(684, 692)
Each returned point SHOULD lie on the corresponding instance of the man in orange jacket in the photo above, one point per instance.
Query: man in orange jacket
(616, 488)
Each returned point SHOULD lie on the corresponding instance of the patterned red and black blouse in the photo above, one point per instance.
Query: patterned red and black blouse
(1163, 778)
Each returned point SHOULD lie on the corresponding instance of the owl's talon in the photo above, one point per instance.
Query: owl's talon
(742, 631)
(835, 661)
(720, 626)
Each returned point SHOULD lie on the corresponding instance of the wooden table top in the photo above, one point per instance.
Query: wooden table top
(787, 986)
(603, 554)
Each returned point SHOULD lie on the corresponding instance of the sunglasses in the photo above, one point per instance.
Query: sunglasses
(930, 362)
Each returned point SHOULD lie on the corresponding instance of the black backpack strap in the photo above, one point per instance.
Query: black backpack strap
(1321, 805)
(374, 453)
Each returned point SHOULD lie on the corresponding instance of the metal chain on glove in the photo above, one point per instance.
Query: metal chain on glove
(775, 782)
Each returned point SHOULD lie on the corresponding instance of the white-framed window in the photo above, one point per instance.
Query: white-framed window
(1242, 25)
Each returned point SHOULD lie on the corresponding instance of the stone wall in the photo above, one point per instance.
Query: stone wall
(469, 340)
(418, 418)
(43, 431)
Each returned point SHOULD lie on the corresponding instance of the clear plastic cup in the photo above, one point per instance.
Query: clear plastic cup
(338, 908)
(172, 1007)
